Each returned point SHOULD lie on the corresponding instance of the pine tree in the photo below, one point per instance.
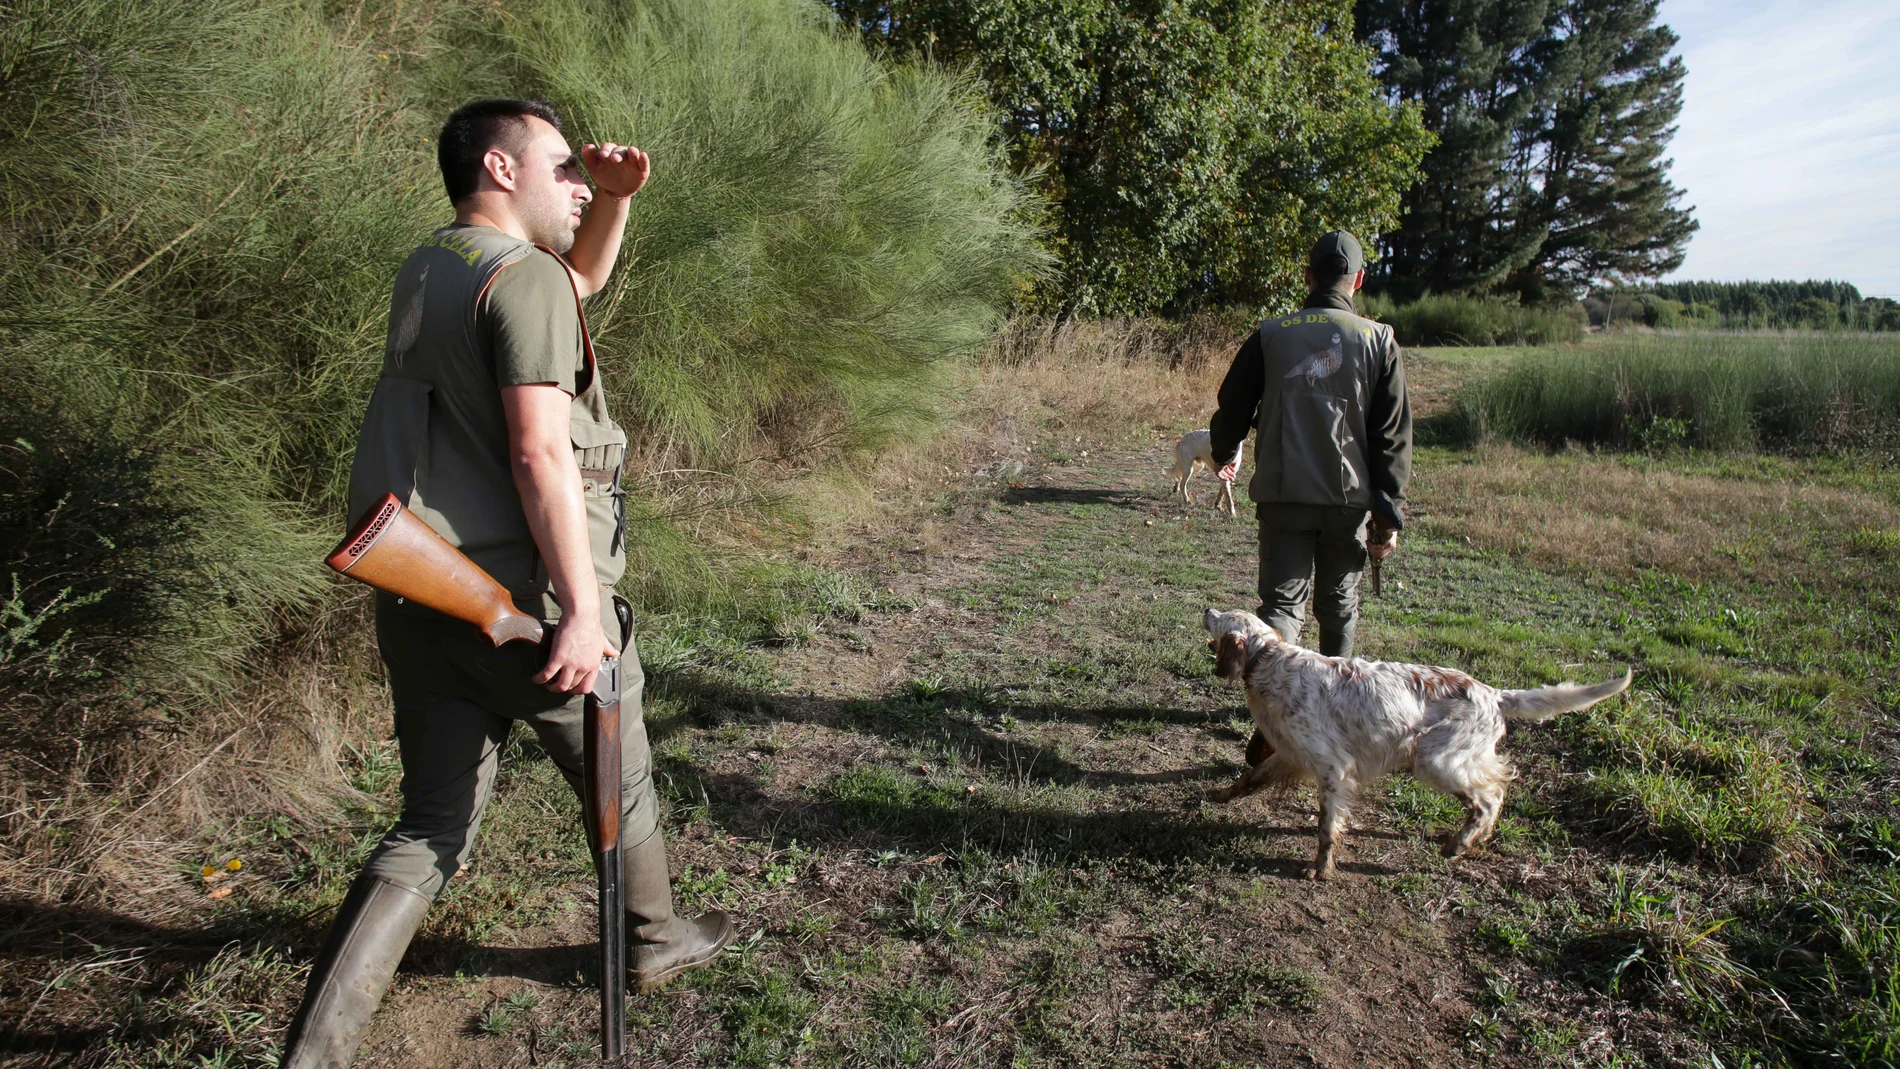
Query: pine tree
(1552, 116)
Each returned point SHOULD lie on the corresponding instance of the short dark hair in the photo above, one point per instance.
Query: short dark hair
(478, 126)
(1327, 278)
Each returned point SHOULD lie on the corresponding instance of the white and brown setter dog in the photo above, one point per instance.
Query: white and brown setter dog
(1344, 722)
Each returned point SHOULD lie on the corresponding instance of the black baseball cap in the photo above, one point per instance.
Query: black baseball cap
(1336, 254)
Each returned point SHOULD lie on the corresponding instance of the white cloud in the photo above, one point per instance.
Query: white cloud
(1788, 144)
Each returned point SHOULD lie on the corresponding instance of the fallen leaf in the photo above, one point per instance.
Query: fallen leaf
(222, 892)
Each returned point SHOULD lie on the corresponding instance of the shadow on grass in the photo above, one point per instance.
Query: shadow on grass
(1071, 495)
(1046, 801)
(1453, 428)
(45, 946)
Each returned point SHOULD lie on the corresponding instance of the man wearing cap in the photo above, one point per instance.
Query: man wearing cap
(1326, 389)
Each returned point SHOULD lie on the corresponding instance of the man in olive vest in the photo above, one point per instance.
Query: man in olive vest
(1326, 390)
(489, 422)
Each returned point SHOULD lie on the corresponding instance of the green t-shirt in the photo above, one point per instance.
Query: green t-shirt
(536, 335)
(475, 311)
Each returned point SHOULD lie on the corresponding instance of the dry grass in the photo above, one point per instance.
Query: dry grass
(1095, 379)
(284, 745)
(1622, 516)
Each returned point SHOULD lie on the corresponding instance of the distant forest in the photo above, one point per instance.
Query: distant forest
(1810, 305)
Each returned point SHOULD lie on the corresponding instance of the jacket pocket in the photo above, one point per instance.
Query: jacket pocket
(392, 449)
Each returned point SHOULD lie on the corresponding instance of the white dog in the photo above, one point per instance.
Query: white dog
(1346, 722)
(1195, 452)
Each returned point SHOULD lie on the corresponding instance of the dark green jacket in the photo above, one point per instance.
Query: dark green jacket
(1325, 388)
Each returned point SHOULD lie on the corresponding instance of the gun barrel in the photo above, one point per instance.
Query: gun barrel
(601, 767)
(391, 549)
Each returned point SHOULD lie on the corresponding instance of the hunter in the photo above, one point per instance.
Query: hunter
(490, 423)
(1325, 387)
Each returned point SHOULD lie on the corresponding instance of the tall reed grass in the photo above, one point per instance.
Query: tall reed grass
(1782, 392)
(1450, 319)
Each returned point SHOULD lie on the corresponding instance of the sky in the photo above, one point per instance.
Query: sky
(1788, 145)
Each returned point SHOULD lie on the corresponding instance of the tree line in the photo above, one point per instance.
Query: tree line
(1188, 150)
(1811, 305)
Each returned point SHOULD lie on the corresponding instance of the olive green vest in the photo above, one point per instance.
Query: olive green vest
(436, 436)
(1311, 448)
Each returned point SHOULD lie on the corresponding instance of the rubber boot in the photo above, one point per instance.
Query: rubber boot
(661, 945)
(372, 930)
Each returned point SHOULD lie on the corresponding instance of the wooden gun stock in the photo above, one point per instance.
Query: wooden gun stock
(395, 552)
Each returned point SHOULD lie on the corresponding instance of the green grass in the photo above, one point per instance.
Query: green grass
(1730, 392)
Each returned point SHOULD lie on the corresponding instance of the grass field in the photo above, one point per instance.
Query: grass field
(952, 794)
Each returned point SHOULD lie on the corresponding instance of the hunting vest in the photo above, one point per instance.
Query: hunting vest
(1312, 444)
(436, 436)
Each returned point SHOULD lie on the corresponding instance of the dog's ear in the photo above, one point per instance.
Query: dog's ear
(1230, 656)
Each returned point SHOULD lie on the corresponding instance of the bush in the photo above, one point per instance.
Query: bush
(1724, 392)
(189, 310)
(1461, 320)
(1661, 312)
(192, 307)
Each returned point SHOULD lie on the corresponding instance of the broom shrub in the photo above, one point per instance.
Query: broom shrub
(207, 202)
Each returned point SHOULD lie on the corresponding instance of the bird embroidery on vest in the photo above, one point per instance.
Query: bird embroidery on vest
(408, 324)
(1321, 365)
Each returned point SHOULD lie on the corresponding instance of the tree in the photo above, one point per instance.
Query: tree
(1191, 150)
(1552, 116)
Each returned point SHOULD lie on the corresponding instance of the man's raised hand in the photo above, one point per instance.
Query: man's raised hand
(617, 170)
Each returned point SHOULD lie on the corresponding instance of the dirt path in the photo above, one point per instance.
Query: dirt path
(963, 829)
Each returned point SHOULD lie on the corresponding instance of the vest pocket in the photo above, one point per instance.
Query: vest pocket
(1315, 444)
(600, 451)
(598, 447)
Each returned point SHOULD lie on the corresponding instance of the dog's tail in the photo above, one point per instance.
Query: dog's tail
(1545, 702)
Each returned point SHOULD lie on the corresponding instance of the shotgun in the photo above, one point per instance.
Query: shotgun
(395, 552)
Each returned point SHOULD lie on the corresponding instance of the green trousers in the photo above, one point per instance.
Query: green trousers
(1317, 552)
(456, 699)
